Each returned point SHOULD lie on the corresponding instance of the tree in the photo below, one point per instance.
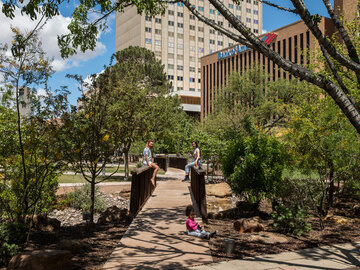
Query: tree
(137, 86)
(336, 60)
(87, 141)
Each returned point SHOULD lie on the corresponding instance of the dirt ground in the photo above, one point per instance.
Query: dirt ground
(345, 228)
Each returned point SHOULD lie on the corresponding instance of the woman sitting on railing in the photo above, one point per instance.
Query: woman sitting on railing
(196, 161)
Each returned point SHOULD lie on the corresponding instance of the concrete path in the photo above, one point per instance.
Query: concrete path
(344, 256)
(156, 238)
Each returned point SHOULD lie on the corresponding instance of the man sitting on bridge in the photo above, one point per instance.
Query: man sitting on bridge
(147, 159)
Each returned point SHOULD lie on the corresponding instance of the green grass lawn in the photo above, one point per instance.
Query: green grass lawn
(78, 178)
(297, 174)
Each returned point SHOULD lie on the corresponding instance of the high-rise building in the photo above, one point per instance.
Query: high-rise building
(179, 39)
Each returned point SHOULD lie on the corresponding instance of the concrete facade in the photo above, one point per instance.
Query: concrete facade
(180, 40)
(290, 42)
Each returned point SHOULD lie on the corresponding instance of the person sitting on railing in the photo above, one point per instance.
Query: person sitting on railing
(148, 161)
(196, 161)
(193, 228)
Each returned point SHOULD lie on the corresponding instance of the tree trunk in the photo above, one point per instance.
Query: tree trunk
(126, 163)
(331, 187)
(92, 201)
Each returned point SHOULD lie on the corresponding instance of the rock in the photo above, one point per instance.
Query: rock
(338, 219)
(268, 238)
(114, 214)
(73, 245)
(356, 210)
(218, 190)
(44, 223)
(265, 206)
(42, 260)
(248, 226)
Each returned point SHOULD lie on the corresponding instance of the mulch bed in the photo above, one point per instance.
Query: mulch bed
(97, 244)
(248, 245)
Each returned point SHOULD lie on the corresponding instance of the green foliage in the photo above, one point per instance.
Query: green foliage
(11, 236)
(291, 220)
(253, 165)
(139, 164)
(81, 199)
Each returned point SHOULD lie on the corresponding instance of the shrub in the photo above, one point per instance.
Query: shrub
(81, 199)
(139, 164)
(253, 166)
(11, 236)
(291, 219)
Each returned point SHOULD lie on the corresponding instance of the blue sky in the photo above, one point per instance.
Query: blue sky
(93, 62)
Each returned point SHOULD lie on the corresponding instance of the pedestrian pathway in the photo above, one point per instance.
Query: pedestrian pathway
(344, 256)
(156, 239)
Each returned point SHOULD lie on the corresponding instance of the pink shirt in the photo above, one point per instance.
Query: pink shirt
(191, 224)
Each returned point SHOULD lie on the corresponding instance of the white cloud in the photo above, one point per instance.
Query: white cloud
(264, 31)
(48, 36)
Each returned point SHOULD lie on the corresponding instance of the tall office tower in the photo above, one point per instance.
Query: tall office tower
(180, 40)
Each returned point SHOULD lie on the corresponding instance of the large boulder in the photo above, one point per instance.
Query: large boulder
(114, 214)
(42, 260)
(43, 223)
(248, 225)
(75, 246)
(218, 190)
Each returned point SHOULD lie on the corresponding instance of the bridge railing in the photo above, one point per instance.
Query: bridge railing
(162, 161)
(199, 191)
(141, 188)
(177, 162)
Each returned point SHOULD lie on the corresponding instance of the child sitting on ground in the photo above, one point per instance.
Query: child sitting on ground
(193, 228)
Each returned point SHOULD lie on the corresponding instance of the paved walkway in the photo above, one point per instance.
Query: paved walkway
(156, 238)
(344, 256)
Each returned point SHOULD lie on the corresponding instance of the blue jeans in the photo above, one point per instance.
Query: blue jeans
(188, 166)
(199, 233)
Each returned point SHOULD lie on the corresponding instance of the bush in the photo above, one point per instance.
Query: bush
(291, 220)
(253, 166)
(11, 236)
(139, 164)
(81, 199)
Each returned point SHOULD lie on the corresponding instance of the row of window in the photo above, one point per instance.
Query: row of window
(180, 67)
(179, 88)
(181, 78)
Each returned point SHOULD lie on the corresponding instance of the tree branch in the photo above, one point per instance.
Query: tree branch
(278, 7)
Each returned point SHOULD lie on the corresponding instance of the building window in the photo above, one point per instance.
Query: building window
(199, 80)
(248, 20)
(171, 12)
(212, 31)
(180, 78)
(238, 7)
(212, 11)
(200, 39)
(256, 3)
(256, 21)
(199, 69)
(179, 67)
(219, 13)
(220, 43)
(180, 57)
(158, 31)
(191, 69)
(192, 59)
(230, 25)
(192, 27)
(180, 4)
(171, 44)
(179, 88)
(192, 17)
(147, 18)
(220, 34)
(180, 46)
(192, 49)
(147, 29)
(256, 31)
(201, 8)
(192, 89)
(256, 12)
(158, 42)
(248, 10)
(170, 66)
(171, 34)
(171, 23)
(201, 29)
(238, 17)
(181, 36)
(201, 50)
(248, 1)
(220, 23)
(192, 79)
(170, 55)
(147, 40)
(158, 54)
(158, 20)
(192, 38)
(180, 14)
(170, 77)
(231, 6)
(212, 41)
(231, 44)
(180, 25)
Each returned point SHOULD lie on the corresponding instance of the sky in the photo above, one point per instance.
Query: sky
(94, 61)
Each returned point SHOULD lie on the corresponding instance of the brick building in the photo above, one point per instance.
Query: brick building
(289, 41)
